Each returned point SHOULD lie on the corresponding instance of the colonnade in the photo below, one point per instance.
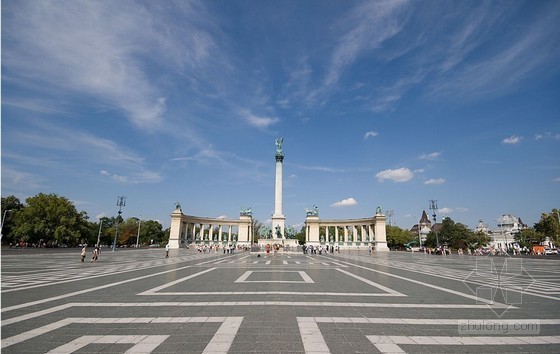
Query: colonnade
(187, 229)
(347, 233)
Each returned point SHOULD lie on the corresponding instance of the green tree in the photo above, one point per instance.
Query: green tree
(549, 225)
(52, 219)
(528, 237)
(300, 236)
(10, 207)
(398, 237)
(153, 230)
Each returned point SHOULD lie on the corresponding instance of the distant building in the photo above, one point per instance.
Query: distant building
(504, 236)
(424, 227)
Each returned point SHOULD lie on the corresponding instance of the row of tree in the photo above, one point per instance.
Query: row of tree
(457, 235)
(53, 221)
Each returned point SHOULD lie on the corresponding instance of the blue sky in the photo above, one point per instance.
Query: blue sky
(380, 103)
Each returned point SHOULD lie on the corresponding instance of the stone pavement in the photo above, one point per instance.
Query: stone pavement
(137, 301)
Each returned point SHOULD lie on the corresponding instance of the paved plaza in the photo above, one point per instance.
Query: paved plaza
(137, 301)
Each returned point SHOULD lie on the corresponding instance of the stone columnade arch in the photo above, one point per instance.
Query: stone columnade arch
(349, 233)
(188, 229)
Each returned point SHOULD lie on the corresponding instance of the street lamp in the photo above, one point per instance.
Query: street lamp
(3, 220)
(121, 201)
(99, 233)
(138, 235)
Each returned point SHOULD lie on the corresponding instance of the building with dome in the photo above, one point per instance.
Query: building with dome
(504, 236)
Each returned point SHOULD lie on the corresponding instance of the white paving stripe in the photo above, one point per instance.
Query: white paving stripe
(369, 282)
(390, 344)
(222, 339)
(61, 276)
(32, 315)
(167, 285)
(468, 296)
(305, 278)
(294, 293)
(97, 288)
(142, 344)
(314, 341)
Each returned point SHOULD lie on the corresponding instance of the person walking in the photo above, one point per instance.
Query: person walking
(95, 254)
(167, 247)
(83, 254)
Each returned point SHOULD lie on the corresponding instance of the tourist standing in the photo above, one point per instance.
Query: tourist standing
(95, 254)
(83, 254)
(167, 247)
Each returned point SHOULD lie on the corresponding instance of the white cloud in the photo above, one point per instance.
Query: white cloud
(104, 173)
(557, 179)
(345, 203)
(445, 210)
(371, 134)
(512, 140)
(430, 156)
(462, 209)
(402, 174)
(538, 136)
(260, 122)
(435, 181)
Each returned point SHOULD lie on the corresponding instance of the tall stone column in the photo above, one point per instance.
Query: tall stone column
(380, 232)
(278, 219)
(175, 229)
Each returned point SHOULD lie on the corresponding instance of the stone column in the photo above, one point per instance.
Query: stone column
(380, 233)
(278, 218)
(175, 229)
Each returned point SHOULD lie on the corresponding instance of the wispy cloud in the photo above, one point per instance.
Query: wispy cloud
(99, 49)
(402, 174)
(547, 135)
(512, 140)
(430, 156)
(435, 181)
(445, 211)
(261, 122)
(345, 203)
(365, 28)
(371, 134)
(511, 62)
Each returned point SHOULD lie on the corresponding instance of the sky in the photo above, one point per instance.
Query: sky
(380, 103)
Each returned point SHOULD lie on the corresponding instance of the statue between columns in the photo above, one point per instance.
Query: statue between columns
(312, 212)
(245, 212)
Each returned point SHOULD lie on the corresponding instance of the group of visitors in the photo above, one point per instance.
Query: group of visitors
(320, 249)
(94, 253)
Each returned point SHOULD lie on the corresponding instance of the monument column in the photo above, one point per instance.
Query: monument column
(278, 218)
(380, 231)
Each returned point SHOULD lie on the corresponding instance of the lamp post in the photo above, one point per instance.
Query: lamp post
(121, 201)
(138, 234)
(3, 220)
(99, 233)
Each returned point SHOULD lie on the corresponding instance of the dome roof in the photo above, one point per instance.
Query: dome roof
(507, 219)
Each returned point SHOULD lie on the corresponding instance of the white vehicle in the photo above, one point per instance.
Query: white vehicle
(548, 251)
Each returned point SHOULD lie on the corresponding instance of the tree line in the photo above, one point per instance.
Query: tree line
(456, 235)
(49, 220)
